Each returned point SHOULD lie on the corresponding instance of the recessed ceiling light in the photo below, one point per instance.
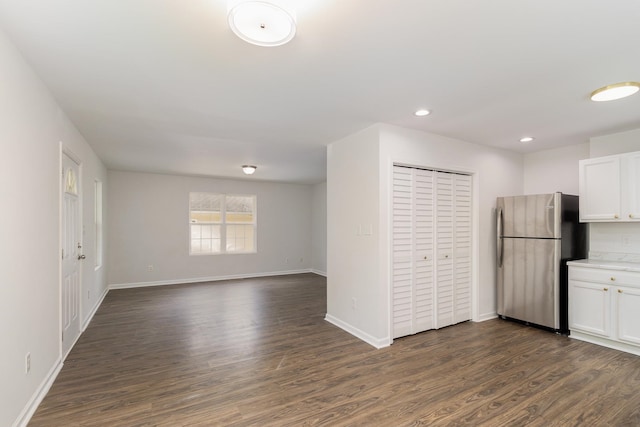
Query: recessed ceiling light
(616, 91)
(263, 23)
(422, 113)
(526, 139)
(249, 169)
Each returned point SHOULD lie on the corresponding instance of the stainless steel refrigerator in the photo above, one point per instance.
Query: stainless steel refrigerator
(536, 236)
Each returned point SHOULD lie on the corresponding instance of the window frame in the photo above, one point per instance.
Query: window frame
(98, 223)
(223, 224)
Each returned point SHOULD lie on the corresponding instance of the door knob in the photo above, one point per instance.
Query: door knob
(81, 256)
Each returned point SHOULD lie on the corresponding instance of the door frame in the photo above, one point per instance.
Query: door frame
(65, 150)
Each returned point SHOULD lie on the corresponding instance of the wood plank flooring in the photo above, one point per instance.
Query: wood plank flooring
(258, 352)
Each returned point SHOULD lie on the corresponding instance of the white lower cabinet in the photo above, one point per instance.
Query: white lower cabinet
(604, 307)
(627, 306)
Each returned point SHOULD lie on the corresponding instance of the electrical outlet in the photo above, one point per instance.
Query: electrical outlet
(354, 304)
(301, 259)
(286, 260)
(150, 267)
(27, 363)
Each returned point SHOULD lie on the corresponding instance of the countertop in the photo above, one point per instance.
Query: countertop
(611, 265)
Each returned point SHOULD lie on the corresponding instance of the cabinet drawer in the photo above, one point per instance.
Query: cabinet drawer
(604, 276)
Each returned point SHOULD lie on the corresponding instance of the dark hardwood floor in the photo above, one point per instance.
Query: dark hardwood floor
(258, 352)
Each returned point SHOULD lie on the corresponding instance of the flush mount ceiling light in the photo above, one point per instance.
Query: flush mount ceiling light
(616, 91)
(526, 139)
(422, 113)
(249, 169)
(263, 23)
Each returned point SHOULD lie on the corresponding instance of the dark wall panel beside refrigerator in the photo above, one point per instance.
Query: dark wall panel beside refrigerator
(536, 236)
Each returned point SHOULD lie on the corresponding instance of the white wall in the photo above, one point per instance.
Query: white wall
(32, 126)
(554, 170)
(354, 284)
(319, 229)
(359, 193)
(617, 143)
(149, 225)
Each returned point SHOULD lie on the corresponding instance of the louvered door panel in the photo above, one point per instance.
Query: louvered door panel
(462, 245)
(423, 249)
(444, 292)
(402, 249)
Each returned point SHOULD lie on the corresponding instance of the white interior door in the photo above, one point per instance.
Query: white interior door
(444, 250)
(71, 253)
(423, 217)
(431, 250)
(462, 248)
(402, 253)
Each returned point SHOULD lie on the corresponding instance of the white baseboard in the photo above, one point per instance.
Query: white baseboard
(616, 345)
(28, 411)
(94, 309)
(371, 340)
(486, 316)
(206, 279)
(318, 272)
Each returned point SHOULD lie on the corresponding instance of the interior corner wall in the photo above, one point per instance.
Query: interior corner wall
(149, 230)
(554, 170)
(33, 127)
(319, 229)
(353, 281)
(495, 172)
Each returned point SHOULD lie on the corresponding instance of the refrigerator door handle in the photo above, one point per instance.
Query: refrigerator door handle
(499, 244)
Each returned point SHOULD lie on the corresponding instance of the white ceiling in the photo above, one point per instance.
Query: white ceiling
(165, 86)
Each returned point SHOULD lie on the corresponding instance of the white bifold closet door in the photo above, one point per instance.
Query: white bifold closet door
(431, 250)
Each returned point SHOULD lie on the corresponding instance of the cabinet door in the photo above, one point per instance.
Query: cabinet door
(628, 314)
(600, 189)
(632, 192)
(589, 308)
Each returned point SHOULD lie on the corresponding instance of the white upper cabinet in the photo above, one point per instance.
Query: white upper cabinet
(632, 198)
(609, 188)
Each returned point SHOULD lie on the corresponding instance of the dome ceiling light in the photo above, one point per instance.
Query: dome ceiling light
(615, 91)
(263, 23)
(249, 169)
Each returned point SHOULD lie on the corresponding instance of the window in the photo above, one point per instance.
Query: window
(222, 223)
(97, 217)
